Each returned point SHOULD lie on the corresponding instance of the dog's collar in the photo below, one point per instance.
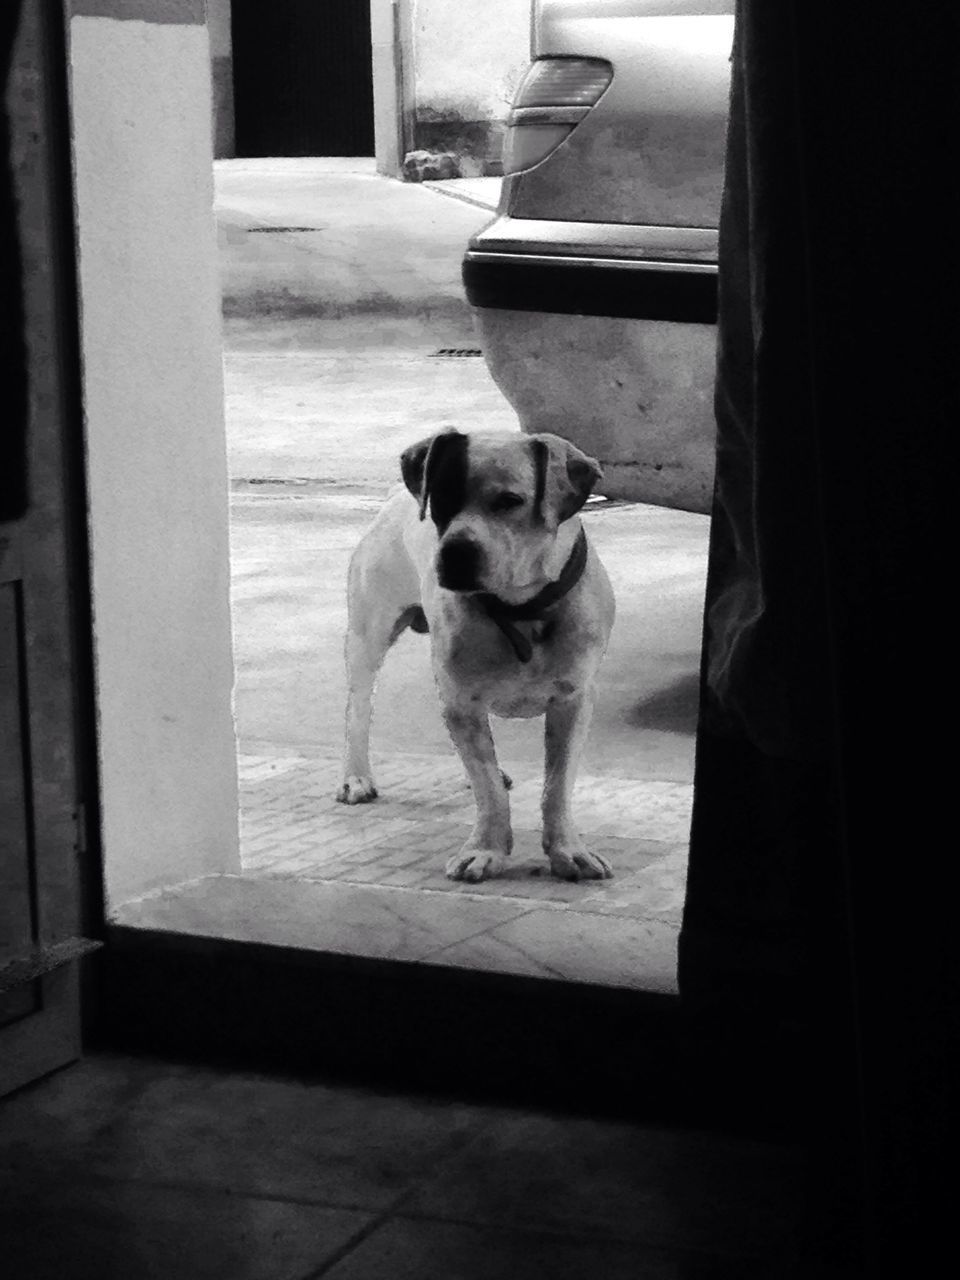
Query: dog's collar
(504, 614)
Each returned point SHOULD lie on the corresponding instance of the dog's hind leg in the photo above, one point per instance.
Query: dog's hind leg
(379, 609)
(364, 654)
(365, 649)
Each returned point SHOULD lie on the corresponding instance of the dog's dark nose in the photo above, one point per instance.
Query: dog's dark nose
(459, 564)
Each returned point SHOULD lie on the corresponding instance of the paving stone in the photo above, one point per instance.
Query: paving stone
(291, 826)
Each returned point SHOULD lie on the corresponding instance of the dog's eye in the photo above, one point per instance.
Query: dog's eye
(506, 501)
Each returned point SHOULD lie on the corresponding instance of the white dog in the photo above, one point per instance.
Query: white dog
(519, 611)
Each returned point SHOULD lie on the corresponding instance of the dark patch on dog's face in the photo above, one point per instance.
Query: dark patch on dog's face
(564, 478)
(446, 478)
(435, 471)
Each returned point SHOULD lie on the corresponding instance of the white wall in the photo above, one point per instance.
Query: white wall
(444, 61)
(393, 82)
(156, 453)
(470, 54)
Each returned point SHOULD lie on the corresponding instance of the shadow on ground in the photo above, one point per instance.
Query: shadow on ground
(673, 709)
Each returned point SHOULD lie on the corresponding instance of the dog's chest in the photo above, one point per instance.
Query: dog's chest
(483, 661)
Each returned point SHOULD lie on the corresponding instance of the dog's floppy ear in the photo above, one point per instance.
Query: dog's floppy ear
(564, 477)
(583, 472)
(418, 464)
(412, 468)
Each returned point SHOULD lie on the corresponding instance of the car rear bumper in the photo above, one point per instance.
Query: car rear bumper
(594, 269)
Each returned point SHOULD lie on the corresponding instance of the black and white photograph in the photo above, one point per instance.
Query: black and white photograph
(473, 639)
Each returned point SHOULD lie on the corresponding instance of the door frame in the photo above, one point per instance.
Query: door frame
(46, 561)
(518, 1039)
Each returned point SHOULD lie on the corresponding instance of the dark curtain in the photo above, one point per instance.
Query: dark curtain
(816, 953)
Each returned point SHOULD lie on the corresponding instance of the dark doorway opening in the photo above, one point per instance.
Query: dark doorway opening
(303, 79)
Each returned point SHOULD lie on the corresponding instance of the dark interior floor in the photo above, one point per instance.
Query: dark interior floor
(121, 1166)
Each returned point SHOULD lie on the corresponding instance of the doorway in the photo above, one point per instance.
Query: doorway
(333, 269)
(303, 78)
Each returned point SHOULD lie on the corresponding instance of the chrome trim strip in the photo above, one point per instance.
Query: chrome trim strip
(596, 239)
(579, 260)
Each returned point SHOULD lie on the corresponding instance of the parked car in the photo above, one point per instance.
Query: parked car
(595, 285)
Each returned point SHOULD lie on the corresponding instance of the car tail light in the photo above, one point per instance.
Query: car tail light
(563, 82)
(554, 96)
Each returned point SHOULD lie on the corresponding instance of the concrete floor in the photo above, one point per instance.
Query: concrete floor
(331, 370)
(134, 1169)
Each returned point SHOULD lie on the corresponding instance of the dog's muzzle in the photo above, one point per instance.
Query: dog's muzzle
(458, 564)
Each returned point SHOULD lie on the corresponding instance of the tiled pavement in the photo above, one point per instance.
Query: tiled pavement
(292, 825)
(368, 880)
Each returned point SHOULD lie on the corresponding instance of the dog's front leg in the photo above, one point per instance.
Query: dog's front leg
(491, 839)
(567, 723)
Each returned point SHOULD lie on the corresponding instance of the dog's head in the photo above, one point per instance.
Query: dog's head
(497, 502)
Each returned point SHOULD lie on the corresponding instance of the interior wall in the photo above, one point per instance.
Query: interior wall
(140, 85)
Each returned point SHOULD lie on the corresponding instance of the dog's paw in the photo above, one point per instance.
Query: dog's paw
(357, 789)
(573, 863)
(475, 864)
